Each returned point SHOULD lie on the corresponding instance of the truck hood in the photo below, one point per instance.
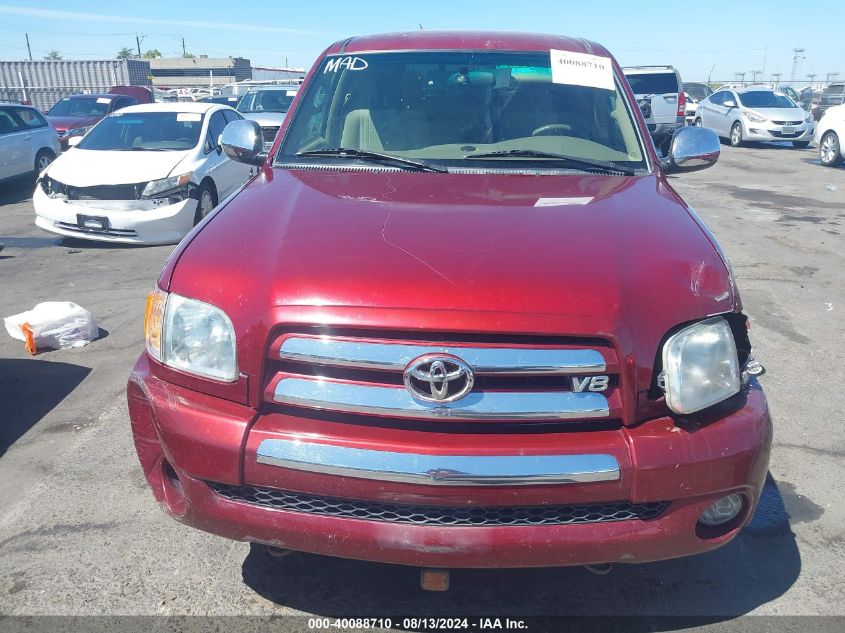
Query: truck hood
(64, 123)
(611, 256)
(266, 119)
(87, 168)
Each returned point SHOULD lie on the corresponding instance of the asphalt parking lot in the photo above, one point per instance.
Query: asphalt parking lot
(80, 532)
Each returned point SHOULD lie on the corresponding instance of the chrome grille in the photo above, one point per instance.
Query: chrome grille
(787, 122)
(518, 381)
(269, 134)
(440, 515)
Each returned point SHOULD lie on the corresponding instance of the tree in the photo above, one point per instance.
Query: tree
(188, 55)
(152, 53)
(124, 53)
(53, 55)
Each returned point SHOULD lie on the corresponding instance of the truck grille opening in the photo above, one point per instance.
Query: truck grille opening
(381, 375)
(437, 515)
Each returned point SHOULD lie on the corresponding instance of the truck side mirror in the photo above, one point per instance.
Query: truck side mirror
(693, 148)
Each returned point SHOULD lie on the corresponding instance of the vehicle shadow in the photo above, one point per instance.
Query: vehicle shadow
(755, 568)
(16, 190)
(29, 390)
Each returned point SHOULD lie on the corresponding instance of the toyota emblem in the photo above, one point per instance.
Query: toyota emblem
(438, 378)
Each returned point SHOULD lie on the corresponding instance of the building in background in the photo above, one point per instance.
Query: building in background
(198, 72)
(293, 75)
(43, 83)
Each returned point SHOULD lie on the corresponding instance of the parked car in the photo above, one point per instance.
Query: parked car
(830, 134)
(143, 175)
(697, 91)
(230, 100)
(832, 95)
(753, 114)
(660, 94)
(690, 107)
(268, 106)
(76, 114)
(27, 142)
(460, 318)
(809, 100)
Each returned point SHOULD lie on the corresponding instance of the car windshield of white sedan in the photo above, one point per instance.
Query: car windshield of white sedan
(448, 109)
(765, 99)
(151, 131)
(81, 106)
(267, 101)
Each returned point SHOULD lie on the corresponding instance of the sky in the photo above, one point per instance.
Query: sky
(714, 38)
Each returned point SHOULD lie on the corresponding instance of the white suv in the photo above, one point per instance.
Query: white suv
(660, 94)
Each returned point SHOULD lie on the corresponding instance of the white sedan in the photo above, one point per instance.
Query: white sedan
(830, 137)
(27, 142)
(755, 114)
(145, 174)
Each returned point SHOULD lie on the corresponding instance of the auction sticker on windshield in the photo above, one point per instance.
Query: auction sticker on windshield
(581, 69)
(188, 116)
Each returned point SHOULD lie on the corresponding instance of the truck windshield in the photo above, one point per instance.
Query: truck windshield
(267, 101)
(149, 131)
(460, 108)
(81, 106)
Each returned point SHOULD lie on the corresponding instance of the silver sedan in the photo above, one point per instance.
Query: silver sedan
(755, 114)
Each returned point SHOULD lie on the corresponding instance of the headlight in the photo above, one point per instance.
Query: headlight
(78, 131)
(809, 118)
(753, 116)
(191, 336)
(166, 185)
(701, 365)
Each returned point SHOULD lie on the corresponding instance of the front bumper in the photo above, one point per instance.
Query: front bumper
(165, 224)
(770, 132)
(190, 443)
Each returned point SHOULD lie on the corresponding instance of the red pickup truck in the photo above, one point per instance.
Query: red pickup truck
(459, 318)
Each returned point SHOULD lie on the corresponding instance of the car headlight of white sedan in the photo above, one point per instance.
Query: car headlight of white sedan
(754, 116)
(167, 187)
(191, 336)
(701, 366)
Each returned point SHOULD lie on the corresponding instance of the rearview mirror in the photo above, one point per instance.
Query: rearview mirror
(693, 148)
(730, 103)
(242, 141)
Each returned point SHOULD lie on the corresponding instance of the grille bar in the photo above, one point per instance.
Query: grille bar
(438, 515)
(360, 354)
(316, 392)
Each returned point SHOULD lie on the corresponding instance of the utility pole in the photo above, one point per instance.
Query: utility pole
(797, 58)
(776, 77)
(183, 47)
(754, 75)
(740, 77)
(138, 39)
(811, 77)
(28, 49)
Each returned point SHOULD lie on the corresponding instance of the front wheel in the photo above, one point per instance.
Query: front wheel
(698, 122)
(43, 159)
(736, 134)
(800, 144)
(830, 151)
(207, 200)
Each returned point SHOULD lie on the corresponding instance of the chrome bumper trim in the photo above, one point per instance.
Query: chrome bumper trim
(321, 350)
(396, 402)
(438, 470)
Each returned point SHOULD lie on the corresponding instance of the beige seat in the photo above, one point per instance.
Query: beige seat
(383, 129)
(359, 132)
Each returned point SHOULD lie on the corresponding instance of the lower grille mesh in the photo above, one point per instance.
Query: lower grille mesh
(434, 515)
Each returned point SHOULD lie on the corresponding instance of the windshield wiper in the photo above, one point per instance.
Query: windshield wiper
(587, 163)
(374, 156)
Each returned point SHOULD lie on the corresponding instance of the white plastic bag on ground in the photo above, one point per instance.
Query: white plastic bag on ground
(53, 324)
